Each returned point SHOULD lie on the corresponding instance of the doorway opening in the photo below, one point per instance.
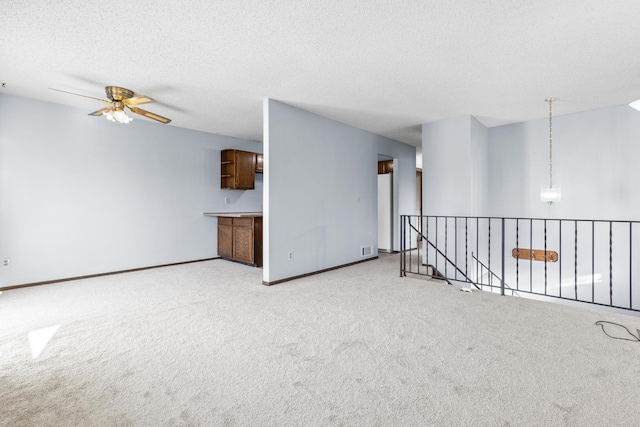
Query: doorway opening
(385, 204)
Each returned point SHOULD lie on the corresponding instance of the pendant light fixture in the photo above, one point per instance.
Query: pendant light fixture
(550, 194)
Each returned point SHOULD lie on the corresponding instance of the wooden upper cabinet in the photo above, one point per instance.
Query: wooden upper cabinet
(259, 163)
(385, 166)
(237, 170)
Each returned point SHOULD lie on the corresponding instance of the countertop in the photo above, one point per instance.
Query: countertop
(233, 214)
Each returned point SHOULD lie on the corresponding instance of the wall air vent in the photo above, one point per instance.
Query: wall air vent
(366, 250)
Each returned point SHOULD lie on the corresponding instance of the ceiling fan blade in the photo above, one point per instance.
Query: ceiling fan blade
(150, 115)
(77, 94)
(102, 111)
(137, 100)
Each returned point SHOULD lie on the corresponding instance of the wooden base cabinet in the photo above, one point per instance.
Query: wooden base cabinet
(240, 239)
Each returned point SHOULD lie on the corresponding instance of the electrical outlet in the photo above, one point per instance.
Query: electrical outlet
(227, 200)
(289, 256)
(6, 262)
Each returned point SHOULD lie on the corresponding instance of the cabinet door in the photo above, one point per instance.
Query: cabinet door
(225, 239)
(257, 240)
(245, 170)
(243, 240)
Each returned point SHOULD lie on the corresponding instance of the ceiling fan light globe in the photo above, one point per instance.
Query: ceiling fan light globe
(120, 116)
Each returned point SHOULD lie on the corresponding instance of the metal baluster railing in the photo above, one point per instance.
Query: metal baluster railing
(620, 268)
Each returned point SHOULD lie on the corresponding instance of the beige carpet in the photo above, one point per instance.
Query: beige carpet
(207, 344)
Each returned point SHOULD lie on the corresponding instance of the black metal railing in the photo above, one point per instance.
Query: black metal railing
(429, 267)
(587, 261)
(488, 279)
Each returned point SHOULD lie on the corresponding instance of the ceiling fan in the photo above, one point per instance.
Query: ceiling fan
(119, 98)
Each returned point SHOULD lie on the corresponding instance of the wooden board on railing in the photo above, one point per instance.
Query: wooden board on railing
(535, 254)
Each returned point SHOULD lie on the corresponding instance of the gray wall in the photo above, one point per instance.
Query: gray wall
(454, 172)
(471, 170)
(594, 162)
(80, 195)
(479, 168)
(320, 190)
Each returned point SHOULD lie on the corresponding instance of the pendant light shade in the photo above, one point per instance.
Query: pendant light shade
(550, 195)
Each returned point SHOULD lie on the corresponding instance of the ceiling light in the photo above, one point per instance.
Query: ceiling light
(118, 116)
(550, 194)
(635, 104)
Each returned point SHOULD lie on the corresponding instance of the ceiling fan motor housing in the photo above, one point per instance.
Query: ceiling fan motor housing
(116, 93)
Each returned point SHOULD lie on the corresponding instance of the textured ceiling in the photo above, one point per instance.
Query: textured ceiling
(385, 66)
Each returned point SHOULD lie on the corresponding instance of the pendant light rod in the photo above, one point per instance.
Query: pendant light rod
(550, 101)
(550, 194)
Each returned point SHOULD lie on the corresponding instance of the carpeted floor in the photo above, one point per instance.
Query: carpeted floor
(207, 344)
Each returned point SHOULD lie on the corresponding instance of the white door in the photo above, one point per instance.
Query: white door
(385, 212)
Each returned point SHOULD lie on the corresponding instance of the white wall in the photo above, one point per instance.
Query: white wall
(595, 156)
(80, 195)
(320, 190)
